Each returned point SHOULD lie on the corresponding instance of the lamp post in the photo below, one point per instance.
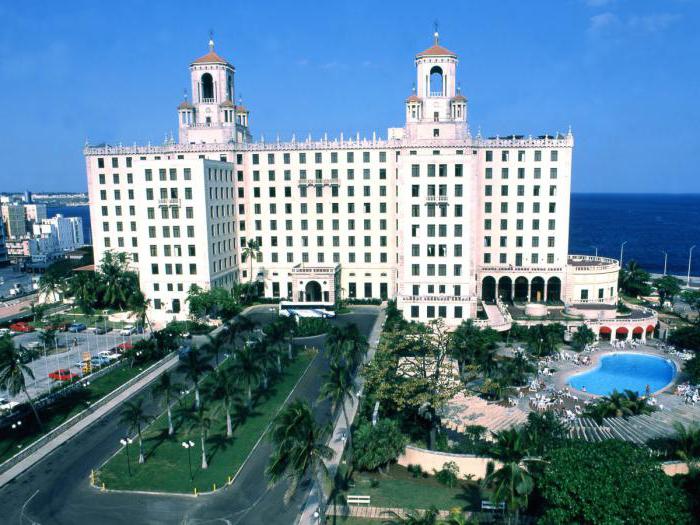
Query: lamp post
(622, 250)
(126, 441)
(188, 445)
(690, 258)
(596, 250)
(665, 260)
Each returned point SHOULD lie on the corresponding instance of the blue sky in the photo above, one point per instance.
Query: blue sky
(625, 74)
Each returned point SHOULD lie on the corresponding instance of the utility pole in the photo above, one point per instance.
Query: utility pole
(622, 250)
(690, 258)
(665, 260)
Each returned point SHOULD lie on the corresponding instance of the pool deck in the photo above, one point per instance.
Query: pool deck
(567, 369)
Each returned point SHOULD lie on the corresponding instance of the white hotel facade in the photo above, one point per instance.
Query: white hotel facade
(443, 221)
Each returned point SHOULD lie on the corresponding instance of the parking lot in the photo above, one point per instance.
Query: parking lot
(67, 354)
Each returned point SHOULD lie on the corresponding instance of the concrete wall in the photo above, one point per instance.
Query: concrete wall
(431, 460)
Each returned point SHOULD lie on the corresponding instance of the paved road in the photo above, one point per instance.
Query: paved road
(56, 490)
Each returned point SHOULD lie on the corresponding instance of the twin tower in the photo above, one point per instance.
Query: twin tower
(436, 110)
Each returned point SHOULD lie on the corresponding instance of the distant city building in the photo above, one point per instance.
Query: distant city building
(15, 220)
(27, 197)
(35, 212)
(4, 259)
(447, 222)
(67, 231)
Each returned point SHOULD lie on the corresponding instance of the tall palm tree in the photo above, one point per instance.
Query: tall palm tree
(238, 326)
(299, 450)
(195, 366)
(169, 389)
(275, 337)
(413, 517)
(687, 441)
(269, 360)
(512, 483)
(83, 287)
(223, 387)
(138, 304)
(12, 374)
(215, 345)
(248, 369)
(252, 249)
(47, 337)
(337, 387)
(134, 416)
(51, 286)
(200, 421)
(346, 344)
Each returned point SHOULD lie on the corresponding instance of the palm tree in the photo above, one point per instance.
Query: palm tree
(413, 517)
(236, 327)
(687, 441)
(195, 366)
(512, 482)
(299, 450)
(457, 517)
(337, 387)
(138, 304)
(200, 421)
(248, 369)
(252, 249)
(167, 388)
(223, 387)
(346, 344)
(134, 417)
(215, 345)
(47, 337)
(51, 286)
(83, 286)
(269, 360)
(12, 373)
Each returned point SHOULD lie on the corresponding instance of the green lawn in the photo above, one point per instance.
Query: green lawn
(166, 467)
(66, 408)
(398, 488)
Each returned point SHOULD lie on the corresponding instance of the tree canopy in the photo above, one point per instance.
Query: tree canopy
(375, 447)
(611, 482)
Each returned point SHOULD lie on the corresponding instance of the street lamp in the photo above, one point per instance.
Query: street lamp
(690, 258)
(126, 441)
(622, 249)
(665, 260)
(596, 250)
(188, 445)
(17, 425)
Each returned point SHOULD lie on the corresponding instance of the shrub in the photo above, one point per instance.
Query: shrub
(310, 326)
(376, 446)
(448, 475)
(416, 471)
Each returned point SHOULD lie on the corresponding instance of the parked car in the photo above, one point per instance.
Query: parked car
(111, 356)
(6, 405)
(99, 361)
(123, 347)
(127, 330)
(103, 329)
(22, 327)
(58, 327)
(4, 332)
(77, 327)
(63, 374)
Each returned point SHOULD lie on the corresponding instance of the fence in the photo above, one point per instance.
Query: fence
(52, 434)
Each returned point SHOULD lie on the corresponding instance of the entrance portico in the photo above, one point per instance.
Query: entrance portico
(315, 283)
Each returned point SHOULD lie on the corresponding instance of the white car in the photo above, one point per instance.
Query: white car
(127, 330)
(109, 355)
(4, 332)
(6, 406)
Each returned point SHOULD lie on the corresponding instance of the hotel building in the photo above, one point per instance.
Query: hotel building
(445, 221)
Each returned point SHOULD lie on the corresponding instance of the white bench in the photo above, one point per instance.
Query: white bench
(358, 500)
(487, 505)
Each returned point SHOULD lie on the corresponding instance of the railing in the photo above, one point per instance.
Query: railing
(437, 94)
(319, 182)
(359, 143)
(438, 298)
(46, 438)
(521, 269)
(319, 269)
(169, 202)
(436, 198)
(208, 100)
(595, 263)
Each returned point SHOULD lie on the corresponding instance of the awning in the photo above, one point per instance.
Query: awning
(651, 328)
(605, 330)
(622, 330)
(638, 330)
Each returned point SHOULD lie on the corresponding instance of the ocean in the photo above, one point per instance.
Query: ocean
(649, 223)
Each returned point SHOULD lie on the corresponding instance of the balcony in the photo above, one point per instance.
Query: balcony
(208, 101)
(319, 182)
(439, 199)
(437, 298)
(163, 203)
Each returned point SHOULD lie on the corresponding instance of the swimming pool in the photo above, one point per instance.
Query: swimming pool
(626, 371)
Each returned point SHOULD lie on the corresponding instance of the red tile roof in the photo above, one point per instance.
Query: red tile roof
(211, 58)
(185, 105)
(226, 104)
(436, 50)
(413, 98)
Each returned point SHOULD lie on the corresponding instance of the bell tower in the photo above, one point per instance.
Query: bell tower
(436, 109)
(211, 115)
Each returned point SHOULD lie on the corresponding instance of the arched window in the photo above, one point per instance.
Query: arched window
(436, 82)
(207, 88)
(229, 87)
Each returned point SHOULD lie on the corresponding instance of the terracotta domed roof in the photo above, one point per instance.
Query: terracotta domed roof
(459, 96)
(211, 58)
(241, 109)
(435, 51)
(413, 98)
(185, 105)
(226, 104)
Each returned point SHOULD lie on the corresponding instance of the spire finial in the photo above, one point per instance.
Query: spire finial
(184, 94)
(211, 40)
(459, 88)
(413, 88)
(436, 34)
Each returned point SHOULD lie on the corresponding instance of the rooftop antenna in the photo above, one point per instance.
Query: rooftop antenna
(211, 40)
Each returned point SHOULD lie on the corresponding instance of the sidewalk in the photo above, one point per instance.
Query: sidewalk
(88, 420)
(336, 441)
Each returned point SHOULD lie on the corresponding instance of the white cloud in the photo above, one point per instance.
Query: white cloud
(597, 3)
(654, 23)
(602, 21)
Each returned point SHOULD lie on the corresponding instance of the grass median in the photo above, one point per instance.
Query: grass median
(166, 468)
(14, 440)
